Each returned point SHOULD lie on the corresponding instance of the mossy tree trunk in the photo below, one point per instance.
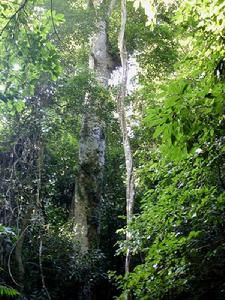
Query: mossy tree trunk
(88, 191)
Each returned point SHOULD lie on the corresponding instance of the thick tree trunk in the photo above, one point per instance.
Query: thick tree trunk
(92, 151)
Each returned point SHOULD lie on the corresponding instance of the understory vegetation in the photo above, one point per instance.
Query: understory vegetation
(64, 133)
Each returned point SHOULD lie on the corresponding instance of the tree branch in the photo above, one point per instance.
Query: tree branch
(22, 6)
(53, 22)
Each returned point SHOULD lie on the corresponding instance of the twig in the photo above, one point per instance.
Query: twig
(22, 6)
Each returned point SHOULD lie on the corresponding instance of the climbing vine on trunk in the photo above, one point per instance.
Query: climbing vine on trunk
(130, 189)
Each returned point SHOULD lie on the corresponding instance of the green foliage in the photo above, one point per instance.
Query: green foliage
(179, 232)
(178, 237)
(7, 291)
(190, 107)
(155, 49)
(26, 51)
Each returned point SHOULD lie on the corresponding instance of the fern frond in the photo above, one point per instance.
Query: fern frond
(8, 291)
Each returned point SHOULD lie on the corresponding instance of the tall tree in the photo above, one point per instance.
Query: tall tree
(88, 190)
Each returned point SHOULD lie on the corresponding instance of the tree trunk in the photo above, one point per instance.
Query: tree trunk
(130, 188)
(19, 246)
(92, 151)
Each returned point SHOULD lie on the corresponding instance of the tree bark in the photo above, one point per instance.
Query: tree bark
(88, 190)
(130, 188)
(19, 246)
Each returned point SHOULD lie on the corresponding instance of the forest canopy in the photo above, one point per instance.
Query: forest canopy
(112, 149)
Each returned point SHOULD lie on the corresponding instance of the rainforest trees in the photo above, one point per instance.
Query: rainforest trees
(74, 140)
